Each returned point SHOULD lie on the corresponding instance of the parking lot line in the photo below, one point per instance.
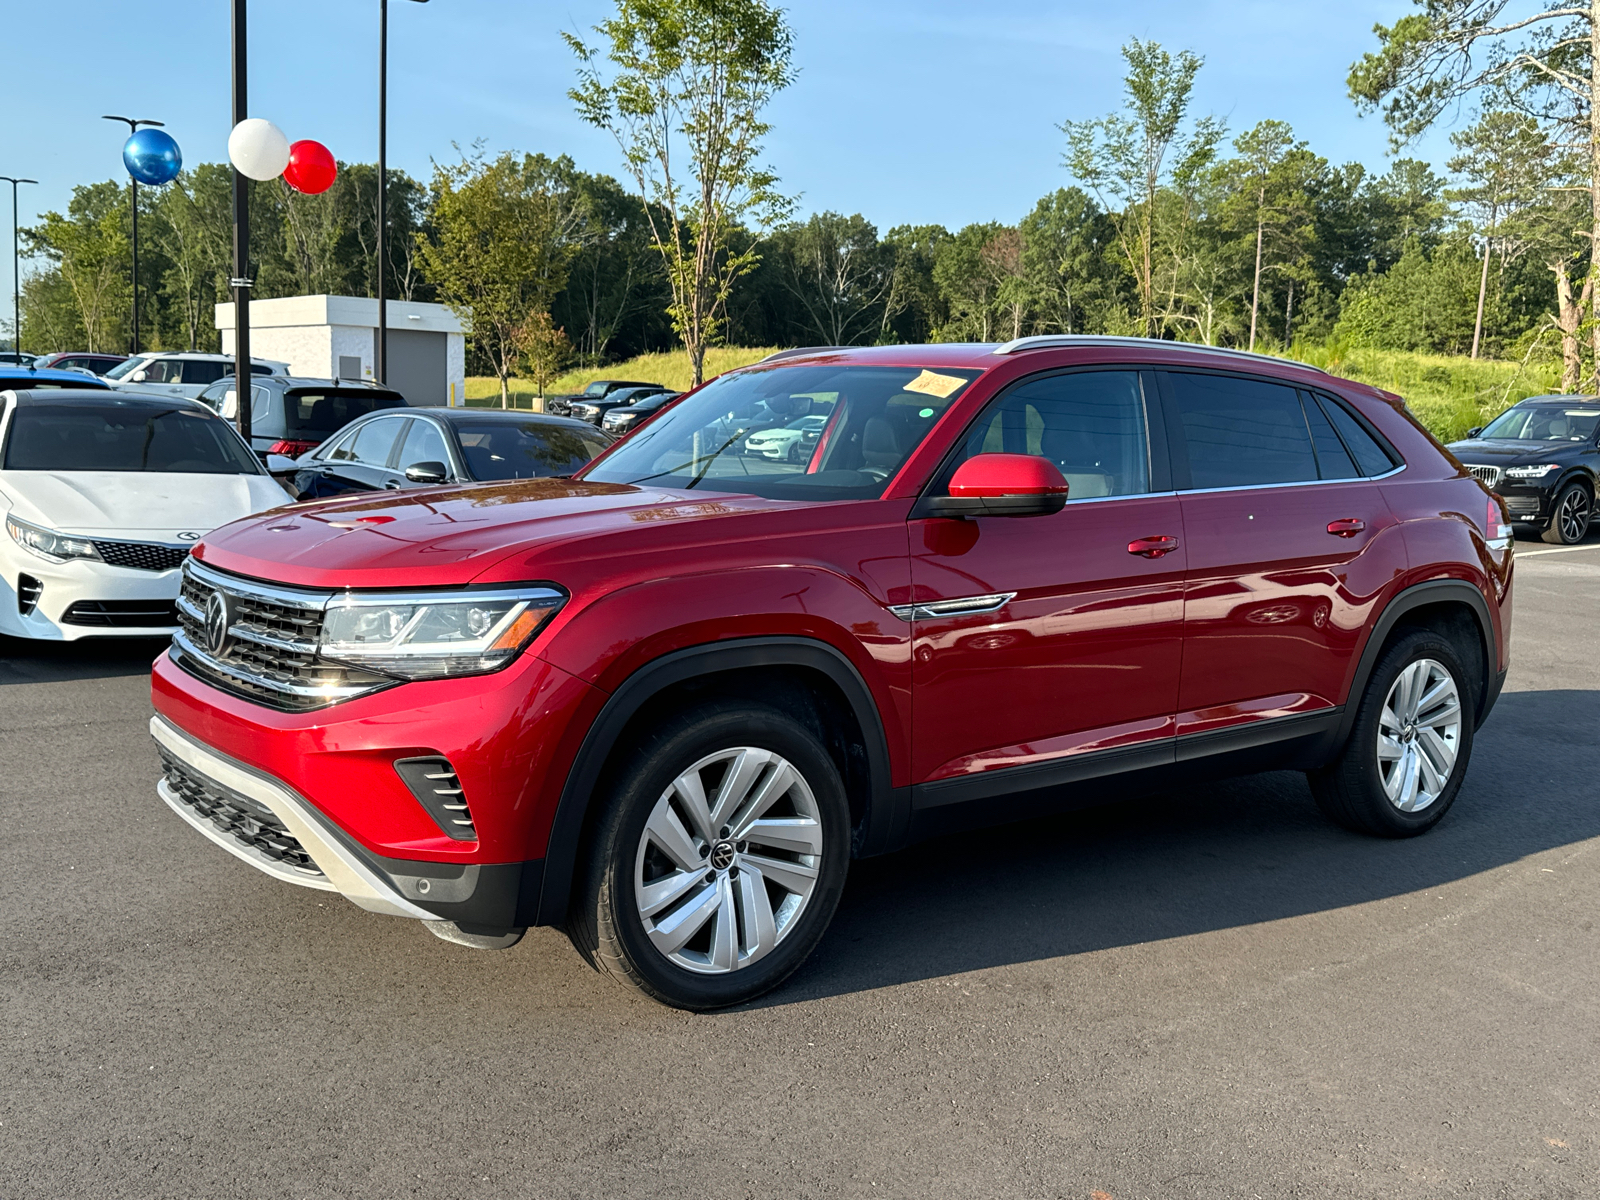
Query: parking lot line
(1557, 550)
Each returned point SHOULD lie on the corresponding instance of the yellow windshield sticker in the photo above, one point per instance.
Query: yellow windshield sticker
(930, 384)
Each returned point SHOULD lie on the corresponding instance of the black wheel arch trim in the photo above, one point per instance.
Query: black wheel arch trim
(1433, 591)
(888, 811)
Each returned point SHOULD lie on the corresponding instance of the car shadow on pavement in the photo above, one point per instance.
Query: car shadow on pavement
(26, 661)
(1227, 854)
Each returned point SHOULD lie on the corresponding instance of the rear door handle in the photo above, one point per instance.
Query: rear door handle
(1348, 527)
(1153, 547)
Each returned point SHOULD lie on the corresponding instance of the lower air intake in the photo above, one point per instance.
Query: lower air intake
(434, 783)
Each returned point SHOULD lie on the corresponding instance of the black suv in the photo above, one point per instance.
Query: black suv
(561, 406)
(1542, 457)
(291, 415)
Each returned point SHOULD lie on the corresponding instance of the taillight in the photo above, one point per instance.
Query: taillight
(291, 448)
(1494, 525)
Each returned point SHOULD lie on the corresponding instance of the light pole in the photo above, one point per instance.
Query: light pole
(16, 275)
(133, 128)
(381, 356)
(241, 236)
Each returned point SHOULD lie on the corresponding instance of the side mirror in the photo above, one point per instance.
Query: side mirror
(1002, 485)
(1475, 431)
(281, 464)
(136, 377)
(427, 472)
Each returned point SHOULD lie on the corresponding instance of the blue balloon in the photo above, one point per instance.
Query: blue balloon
(152, 156)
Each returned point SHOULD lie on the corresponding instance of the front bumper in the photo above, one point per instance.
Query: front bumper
(264, 822)
(75, 589)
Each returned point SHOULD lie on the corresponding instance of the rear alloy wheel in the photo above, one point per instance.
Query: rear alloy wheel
(1569, 522)
(720, 860)
(1408, 751)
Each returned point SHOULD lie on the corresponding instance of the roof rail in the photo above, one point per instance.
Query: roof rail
(799, 350)
(1045, 340)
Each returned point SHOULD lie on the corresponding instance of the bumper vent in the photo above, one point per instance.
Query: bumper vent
(142, 556)
(434, 783)
(247, 822)
(29, 590)
(122, 614)
(1489, 476)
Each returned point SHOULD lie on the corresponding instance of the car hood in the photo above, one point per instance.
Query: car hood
(147, 503)
(453, 535)
(1499, 452)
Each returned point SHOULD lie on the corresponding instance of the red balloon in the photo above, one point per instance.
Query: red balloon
(311, 168)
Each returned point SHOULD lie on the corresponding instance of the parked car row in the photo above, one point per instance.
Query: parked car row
(561, 406)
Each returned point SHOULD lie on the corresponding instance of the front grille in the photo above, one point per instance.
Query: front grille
(557, 407)
(270, 652)
(122, 614)
(434, 783)
(1489, 475)
(142, 556)
(250, 824)
(29, 590)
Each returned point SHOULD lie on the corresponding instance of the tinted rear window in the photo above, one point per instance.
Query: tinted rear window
(326, 411)
(525, 450)
(115, 437)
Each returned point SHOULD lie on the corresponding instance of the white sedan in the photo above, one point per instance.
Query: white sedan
(103, 494)
(788, 442)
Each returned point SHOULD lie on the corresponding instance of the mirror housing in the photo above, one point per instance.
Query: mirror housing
(136, 377)
(1002, 485)
(1475, 431)
(428, 472)
(281, 464)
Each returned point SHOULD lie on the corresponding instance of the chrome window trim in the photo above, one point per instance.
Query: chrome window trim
(1293, 483)
(964, 606)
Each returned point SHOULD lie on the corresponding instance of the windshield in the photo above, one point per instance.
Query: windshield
(598, 388)
(124, 369)
(325, 412)
(121, 437)
(525, 449)
(1545, 424)
(868, 421)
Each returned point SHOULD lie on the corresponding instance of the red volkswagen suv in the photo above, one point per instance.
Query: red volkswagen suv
(666, 701)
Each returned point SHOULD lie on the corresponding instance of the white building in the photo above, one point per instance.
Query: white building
(335, 337)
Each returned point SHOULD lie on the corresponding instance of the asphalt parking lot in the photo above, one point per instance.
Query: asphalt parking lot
(1213, 994)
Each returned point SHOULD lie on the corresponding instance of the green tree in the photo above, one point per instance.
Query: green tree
(837, 276)
(91, 252)
(1124, 160)
(616, 288)
(914, 307)
(195, 232)
(688, 82)
(1065, 243)
(1506, 163)
(1543, 63)
(504, 234)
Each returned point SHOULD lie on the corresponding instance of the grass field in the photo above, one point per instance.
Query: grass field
(669, 370)
(1449, 395)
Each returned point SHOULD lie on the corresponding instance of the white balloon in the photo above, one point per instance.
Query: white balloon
(258, 148)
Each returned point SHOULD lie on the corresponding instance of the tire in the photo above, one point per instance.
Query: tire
(1368, 788)
(1569, 516)
(758, 904)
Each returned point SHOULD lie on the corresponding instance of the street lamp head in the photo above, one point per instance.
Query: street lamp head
(134, 123)
(13, 181)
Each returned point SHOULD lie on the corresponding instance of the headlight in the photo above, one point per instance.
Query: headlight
(435, 635)
(47, 544)
(1531, 472)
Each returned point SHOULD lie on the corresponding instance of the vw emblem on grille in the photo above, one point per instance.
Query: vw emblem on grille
(188, 537)
(217, 623)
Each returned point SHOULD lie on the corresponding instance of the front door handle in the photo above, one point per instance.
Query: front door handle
(1153, 547)
(1346, 528)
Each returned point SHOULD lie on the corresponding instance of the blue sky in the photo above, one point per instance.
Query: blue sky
(914, 111)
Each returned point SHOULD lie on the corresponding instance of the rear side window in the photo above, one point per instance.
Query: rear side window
(324, 412)
(202, 371)
(1370, 456)
(374, 441)
(1091, 424)
(1242, 432)
(1332, 457)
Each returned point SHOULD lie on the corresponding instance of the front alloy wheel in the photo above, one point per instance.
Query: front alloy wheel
(728, 860)
(718, 858)
(1570, 520)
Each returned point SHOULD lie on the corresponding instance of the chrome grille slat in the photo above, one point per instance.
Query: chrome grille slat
(1488, 475)
(271, 652)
